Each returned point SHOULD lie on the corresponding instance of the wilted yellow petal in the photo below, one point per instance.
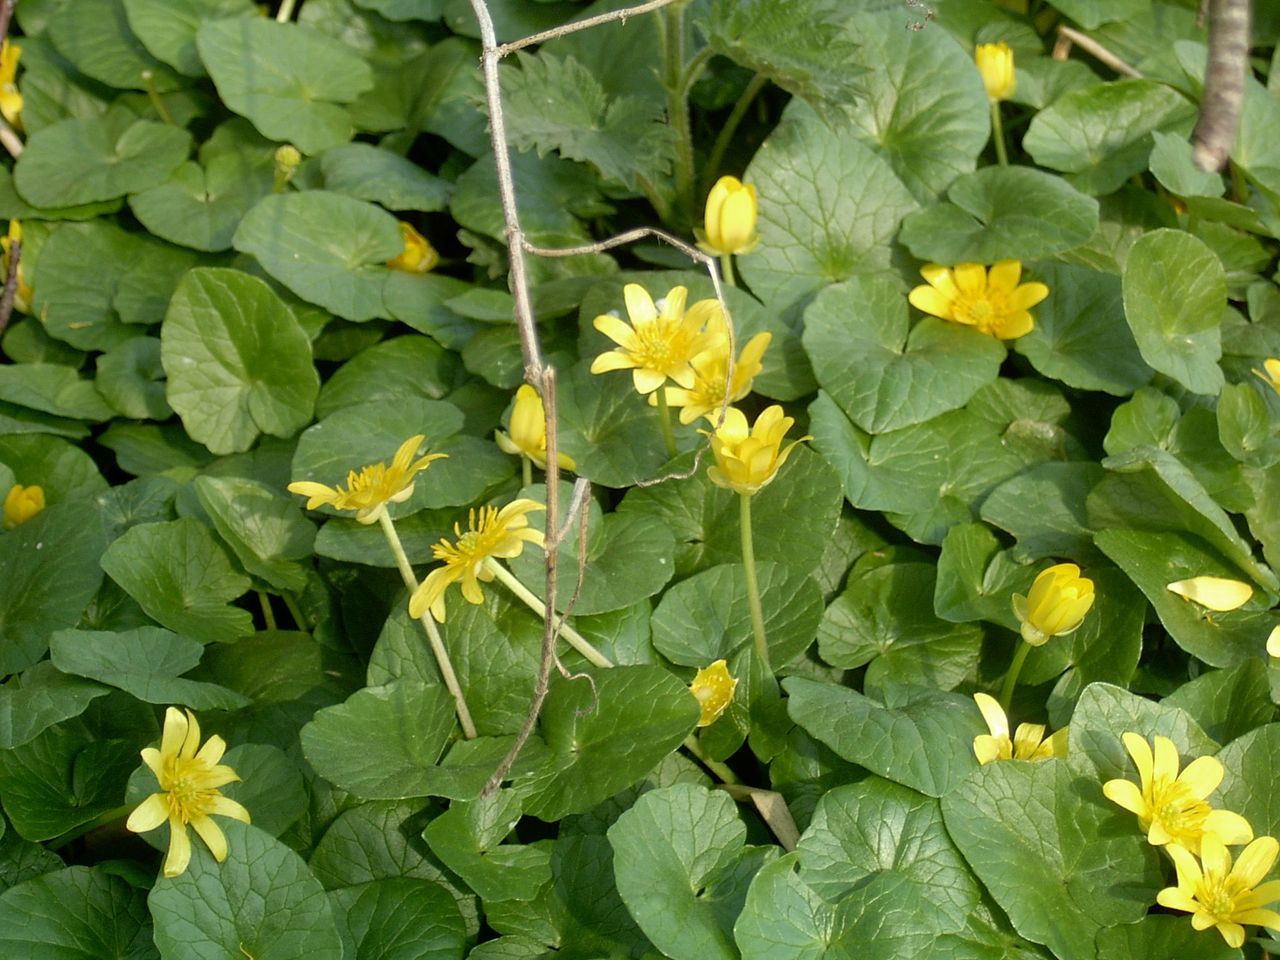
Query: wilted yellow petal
(1215, 593)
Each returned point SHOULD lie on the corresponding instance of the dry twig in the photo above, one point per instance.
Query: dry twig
(1224, 75)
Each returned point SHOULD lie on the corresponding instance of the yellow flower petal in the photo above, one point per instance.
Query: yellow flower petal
(1215, 593)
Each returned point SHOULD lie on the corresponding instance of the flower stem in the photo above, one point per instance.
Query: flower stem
(753, 586)
(268, 616)
(664, 418)
(149, 81)
(725, 136)
(715, 766)
(295, 611)
(997, 134)
(576, 640)
(726, 269)
(429, 625)
(672, 39)
(110, 816)
(286, 10)
(526, 470)
(1011, 678)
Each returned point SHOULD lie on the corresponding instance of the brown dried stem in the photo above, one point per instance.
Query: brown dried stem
(1068, 36)
(1224, 74)
(10, 284)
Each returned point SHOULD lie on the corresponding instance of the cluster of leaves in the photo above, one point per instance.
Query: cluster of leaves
(202, 334)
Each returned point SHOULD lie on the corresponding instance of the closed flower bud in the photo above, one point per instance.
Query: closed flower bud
(1056, 605)
(730, 220)
(995, 63)
(21, 504)
(418, 256)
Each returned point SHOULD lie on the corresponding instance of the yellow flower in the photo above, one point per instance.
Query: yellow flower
(711, 371)
(1215, 593)
(189, 777)
(659, 343)
(23, 294)
(10, 98)
(730, 219)
(490, 533)
(370, 490)
(1028, 743)
(1271, 376)
(1056, 605)
(21, 504)
(418, 255)
(1171, 807)
(714, 689)
(1217, 894)
(747, 460)
(994, 303)
(529, 431)
(995, 63)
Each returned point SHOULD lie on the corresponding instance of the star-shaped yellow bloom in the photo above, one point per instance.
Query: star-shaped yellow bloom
(994, 302)
(21, 504)
(713, 686)
(1218, 894)
(189, 776)
(748, 459)
(1171, 806)
(490, 533)
(660, 342)
(1028, 743)
(369, 491)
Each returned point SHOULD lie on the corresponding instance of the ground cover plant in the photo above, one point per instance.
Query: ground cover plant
(749, 478)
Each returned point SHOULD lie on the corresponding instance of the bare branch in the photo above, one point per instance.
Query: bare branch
(565, 29)
(1224, 74)
(1067, 36)
(10, 284)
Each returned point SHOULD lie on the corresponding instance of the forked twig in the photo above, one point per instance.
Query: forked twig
(1068, 36)
(565, 29)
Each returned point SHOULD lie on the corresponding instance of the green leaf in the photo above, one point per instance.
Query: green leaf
(1227, 703)
(366, 172)
(1174, 295)
(1001, 213)
(1251, 764)
(976, 579)
(794, 47)
(265, 529)
(168, 27)
(82, 161)
(400, 919)
(1173, 166)
(1051, 850)
(391, 370)
(51, 574)
(830, 207)
(262, 901)
(64, 471)
(1102, 134)
(468, 838)
(41, 696)
(882, 371)
(201, 206)
(147, 662)
(131, 378)
(1080, 337)
(238, 362)
(604, 739)
(289, 79)
(706, 617)
(270, 785)
(76, 912)
(21, 860)
(98, 41)
(608, 429)
(1245, 425)
(329, 249)
(861, 829)
(555, 103)
(1044, 509)
(182, 578)
(924, 742)
(679, 858)
(385, 742)
(1091, 14)
(53, 388)
(792, 518)
(1162, 937)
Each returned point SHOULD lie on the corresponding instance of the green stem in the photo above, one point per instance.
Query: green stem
(725, 136)
(672, 38)
(997, 134)
(429, 626)
(530, 599)
(526, 470)
(295, 611)
(1011, 678)
(111, 816)
(753, 586)
(1239, 189)
(285, 13)
(267, 614)
(715, 766)
(726, 268)
(149, 81)
(664, 418)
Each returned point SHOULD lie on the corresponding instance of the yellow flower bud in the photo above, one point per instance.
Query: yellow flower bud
(749, 459)
(1216, 593)
(1056, 605)
(418, 256)
(1270, 374)
(23, 294)
(730, 218)
(10, 98)
(714, 689)
(528, 435)
(21, 504)
(995, 63)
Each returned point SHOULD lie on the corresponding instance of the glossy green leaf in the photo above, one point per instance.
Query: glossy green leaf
(264, 527)
(99, 42)
(468, 838)
(1250, 763)
(131, 378)
(400, 918)
(38, 698)
(76, 912)
(201, 206)
(168, 27)
(53, 388)
(366, 172)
